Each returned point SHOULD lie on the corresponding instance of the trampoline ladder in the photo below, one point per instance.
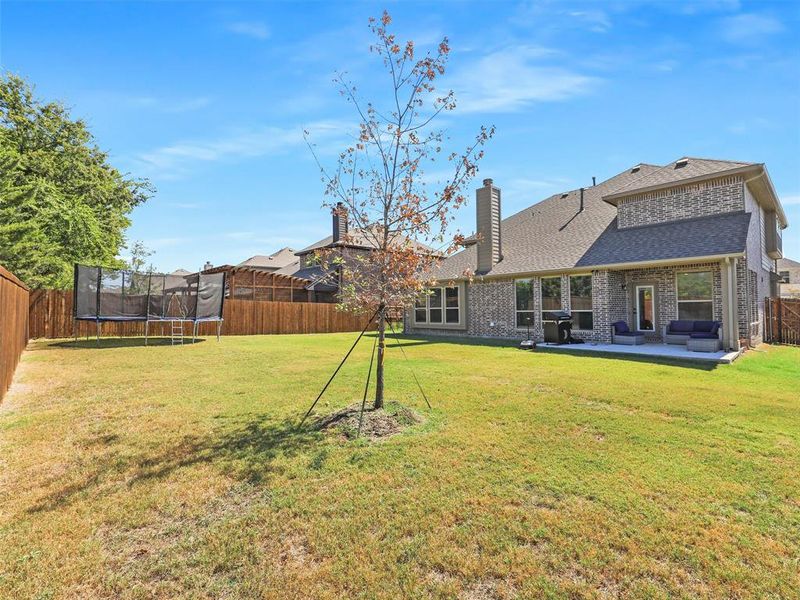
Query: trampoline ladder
(176, 332)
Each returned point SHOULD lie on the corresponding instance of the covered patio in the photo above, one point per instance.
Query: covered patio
(652, 350)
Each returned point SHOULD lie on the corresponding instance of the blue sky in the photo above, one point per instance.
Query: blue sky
(209, 100)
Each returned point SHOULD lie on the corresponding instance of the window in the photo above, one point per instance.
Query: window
(580, 301)
(551, 297)
(695, 290)
(435, 306)
(524, 300)
(420, 310)
(451, 310)
(784, 276)
(441, 305)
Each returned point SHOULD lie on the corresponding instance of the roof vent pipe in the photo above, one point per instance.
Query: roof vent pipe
(581, 210)
(594, 181)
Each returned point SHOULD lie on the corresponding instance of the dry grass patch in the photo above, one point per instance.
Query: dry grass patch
(132, 472)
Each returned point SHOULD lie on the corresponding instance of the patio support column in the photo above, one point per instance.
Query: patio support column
(730, 321)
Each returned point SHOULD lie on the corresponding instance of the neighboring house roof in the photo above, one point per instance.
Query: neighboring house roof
(359, 238)
(276, 260)
(714, 235)
(290, 269)
(321, 280)
(554, 236)
(181, 272)
(787, 263)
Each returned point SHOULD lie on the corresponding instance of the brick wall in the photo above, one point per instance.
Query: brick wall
(760, 265)
(699, 200)
(664, 280)
(490, 312)
(609, 303)
(491, 309)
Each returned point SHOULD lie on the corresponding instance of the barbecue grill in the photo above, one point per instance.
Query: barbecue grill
(558, 330)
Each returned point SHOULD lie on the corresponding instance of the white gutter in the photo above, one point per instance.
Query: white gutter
(606, 267)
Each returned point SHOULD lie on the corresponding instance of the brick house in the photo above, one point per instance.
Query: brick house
(789, 278)
(696, 239)
(347, 243)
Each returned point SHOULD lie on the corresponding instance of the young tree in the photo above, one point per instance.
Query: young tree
(378, 184)
(61, 202)
(138, 259)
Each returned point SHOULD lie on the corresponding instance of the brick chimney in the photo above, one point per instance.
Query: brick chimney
(339, 221)
(488, 224)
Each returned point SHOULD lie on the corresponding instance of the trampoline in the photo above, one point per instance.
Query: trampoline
(102, 295)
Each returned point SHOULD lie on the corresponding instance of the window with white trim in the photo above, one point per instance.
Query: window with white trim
(695, 296)
(441, 305)
(551, 297)
(523, 291)
(580, 301)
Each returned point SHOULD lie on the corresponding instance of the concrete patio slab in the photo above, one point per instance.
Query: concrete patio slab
(648, 350)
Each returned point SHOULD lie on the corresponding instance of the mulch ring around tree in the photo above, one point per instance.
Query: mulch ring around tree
(376, 424)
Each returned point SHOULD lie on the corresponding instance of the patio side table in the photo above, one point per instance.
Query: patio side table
(702, 345)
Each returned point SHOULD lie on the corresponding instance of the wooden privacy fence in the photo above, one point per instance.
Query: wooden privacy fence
(782, 321)
(13, 326)
(51, 317)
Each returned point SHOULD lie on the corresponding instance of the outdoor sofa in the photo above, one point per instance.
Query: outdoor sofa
(699, 336)
(621, 334)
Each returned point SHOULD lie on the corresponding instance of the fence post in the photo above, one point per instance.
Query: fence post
(780, 320)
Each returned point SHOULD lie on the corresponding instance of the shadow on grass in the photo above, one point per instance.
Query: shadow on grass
(406, 341)
(245, 447)
(119, 342)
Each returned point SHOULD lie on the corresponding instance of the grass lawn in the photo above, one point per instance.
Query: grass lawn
(177, 472)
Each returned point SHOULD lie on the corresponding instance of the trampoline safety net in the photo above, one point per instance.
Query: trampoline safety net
(120, 295)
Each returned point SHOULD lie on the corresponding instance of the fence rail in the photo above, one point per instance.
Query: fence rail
(51, 317)
(13, 326)
(782, 321)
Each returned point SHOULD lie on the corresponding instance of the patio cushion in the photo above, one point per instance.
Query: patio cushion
(620, 327)
(630, 334)
(705, 326)
(681, 326)
(703, 335)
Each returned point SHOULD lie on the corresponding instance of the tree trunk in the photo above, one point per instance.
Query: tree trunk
(381, 348)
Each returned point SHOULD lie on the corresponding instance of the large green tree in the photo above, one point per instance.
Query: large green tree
(61, 201)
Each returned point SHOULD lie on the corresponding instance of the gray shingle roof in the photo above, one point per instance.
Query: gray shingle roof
(703, 236)
(361, 239)
(677, 171)
(276, 260)
(788, 263)
(321, 280)
(550, 235)
(553, 236)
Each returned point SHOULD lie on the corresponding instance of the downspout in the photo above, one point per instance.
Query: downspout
(732, 304)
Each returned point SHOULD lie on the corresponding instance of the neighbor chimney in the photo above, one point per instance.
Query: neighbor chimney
(488, 224)
(208, 266)
(339, 222)
(581, 210)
